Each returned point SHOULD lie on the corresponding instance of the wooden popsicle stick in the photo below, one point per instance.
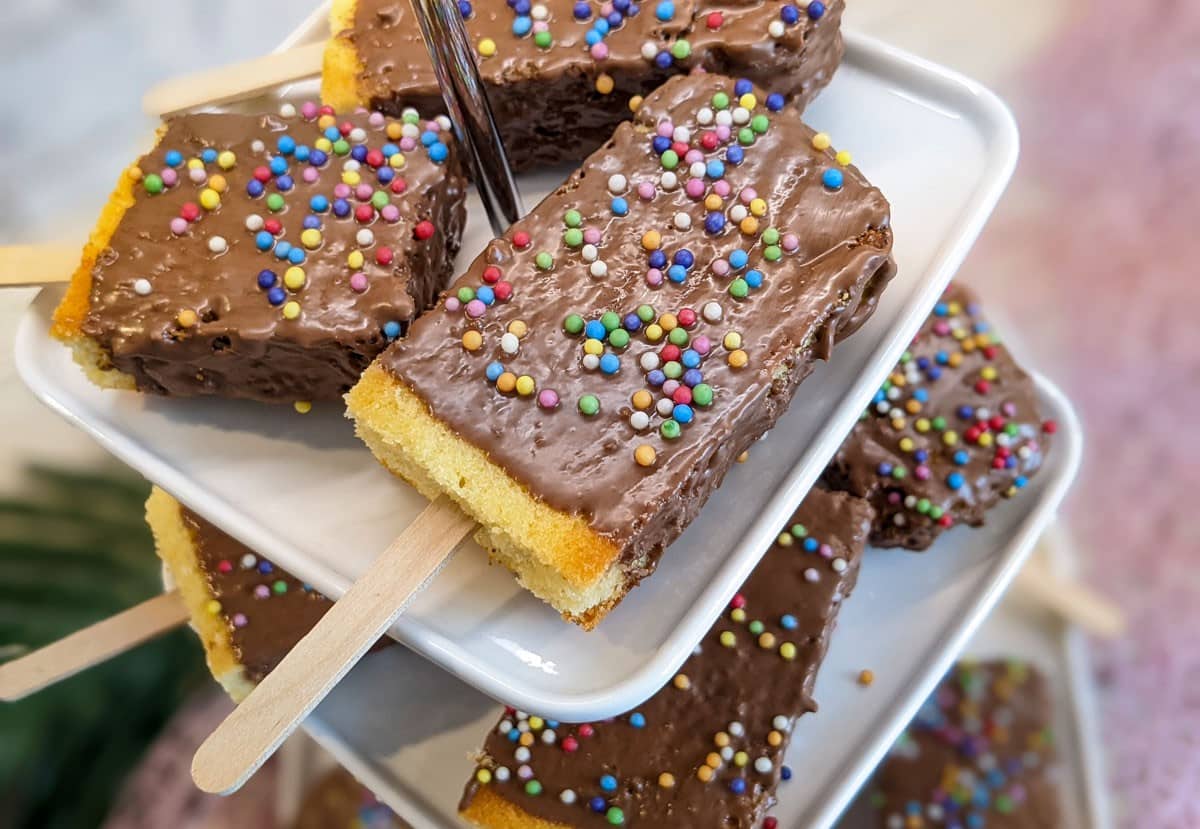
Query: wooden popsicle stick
(90, 646)
(1071, 600)
(28, 265)
(274, 709)
(234, 82)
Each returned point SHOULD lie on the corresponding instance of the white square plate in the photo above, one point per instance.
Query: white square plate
(305, 493)
(407, 731)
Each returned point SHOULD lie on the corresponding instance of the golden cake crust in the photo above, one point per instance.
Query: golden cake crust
(489, 810)
(341, 64)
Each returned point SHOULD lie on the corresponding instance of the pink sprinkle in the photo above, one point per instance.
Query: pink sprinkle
(548, 399)
(670, 387)
(720, 267)
(261, 592)
(893, 498)
(540, 26)
(940, 328)
(1009, 409)
(654, 277)
(390, 213)
(922, 473)
(695, 188)
(408, 144)
(453, 304)
(179, 225)
(239, 620)
(666, 129)
(747, 195)
(791, 242)
(825, 550)
(309, 110)
(723, 132)
(358, 282)
(592, 236)
(722, 188)
(310, 174)
(702, 345)
(375, 119)
(599, 51)
(606, 9)
(476, 308)
(170, 177)
(363, 192)
(694, 155)
(197, 175)
(645, 190)
(341, 190)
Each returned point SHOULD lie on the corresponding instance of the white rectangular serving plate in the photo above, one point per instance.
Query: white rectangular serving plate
(407, 731)
(304, 492)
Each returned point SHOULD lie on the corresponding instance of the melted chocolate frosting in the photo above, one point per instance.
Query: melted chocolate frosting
(955, 429)
(977, 754)
(742, 690)
(810, 296)
(548, 101)
(177, 303)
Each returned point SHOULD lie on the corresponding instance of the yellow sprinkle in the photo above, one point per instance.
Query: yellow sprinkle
(788, 651)
(988, 373)
(738, 358)
(593, 347)
(784, 540)
(967, 345)
(218, 183)
(506, 382)
(742, 457)
(536, 723)
(983, 340)
(897, 378)
(186, 318)
(635, 103)
(195, 164)
(302, 406)
(472, 341)
(604, 84)
(950, 438)
(704, 773)
(906, 444)
(721, 739)
(351, 177)
(651, 240)
(898, 423)
(774, 739)
(483, 776)
(518, 328)
(741, 759)
(749, 226)
(487, 47)
(209, 199)
(766, 641)
(713, 760)
(525, 385)
(226, 159)
(394, 130)
(654, 332)
(135, 173)
(397, 160)
(355, 260)
(294, 277)
(642, 399)
(713, 202)
(922, 425)
(843, 157)
(866, 677)
(748, 101)
(310, 238)
(821, 141)
(728, 639)
(666, 780)
(758, 207)
(985, 439)
(738, 615)
(733, 340)
(682, 682)
(213, 607)
(668, 322)
(954, 307)
(645, 456)
(326, 121)
(291, 310)
(323, 144)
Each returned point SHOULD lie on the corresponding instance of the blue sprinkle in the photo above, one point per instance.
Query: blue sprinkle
(693, 377)
(282, 249)
(391, 329)
(789, 14)
(965, 412)
(832, 178)
(278, 165)
(208, 156)
(933, 373)
(785, 773)
(284, 183)
(333, 133)
(1010, 462)
(737, 785)
(521, 26)
(734, 155)
(389, 150)
(614, 20)
(661, 144)
(254, 188)
(714, 169)
(954, 480)
(663, 60)
(656, 377)
(552, 723)
(263, 240)
(286, 144)
(1020, 481)
(464, 8)
(620, 207)
(714, 222)
(267, 279)
(961, 457)
(597, 803)
(921, 395)
(637, 720)
(683, 413)
(297, 256)
(486, 295)
(742, 87)
(513, 735)
(341, 208)
(634, 8)
(610, 363)
(921, 455)
(276, 296)
(738, 259)
(493, 371)
(632, 322)
(608, 783)
(318, 204)
(685, 258)
(601, 26)
(816, 9)
(788, 622)
(593, 37)
(312, 222)
(265, 567)
(429, 138)
(359, 153)
(438, 152)
(595, 330)
(941, 309)
(884, 468)
(621, 5)
(386, 174)
(810, 545)
(665, 10)
(775, 102)
(174, 158)
(658, 259)
(942, 358)
(677, 274)
(690, 358)
(754, 278)
(318, 157)
(912, 807)
(583, 10)
(522, 6)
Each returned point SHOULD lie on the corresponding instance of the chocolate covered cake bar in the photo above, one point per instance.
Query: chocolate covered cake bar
(584, 387)
(708, 749)
(561, 74)
(266, 257)
(247, 612)
(979, 755)
(955, 429)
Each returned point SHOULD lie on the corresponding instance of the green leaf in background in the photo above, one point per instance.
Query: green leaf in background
(74, 548)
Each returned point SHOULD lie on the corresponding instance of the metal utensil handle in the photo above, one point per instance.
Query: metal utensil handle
(458, 76)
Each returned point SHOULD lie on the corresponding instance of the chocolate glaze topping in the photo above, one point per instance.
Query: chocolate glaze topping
(548, 101)
(813, 295)
(733, 695)
(180, 307)
(955, 429)
(979, 753)
(267, 611)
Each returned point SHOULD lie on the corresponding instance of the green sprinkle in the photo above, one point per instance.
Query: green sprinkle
(279, 586)
(544, 261)
(1004, 804)
(770, 236)
(702, 394)
(906, 357)
(619, 338)
(720, 101)
(341, 146)
(681, 49)
(738, 288)
(573, 238)
(589, 404)
(935, 513)
(379, 199)
(773, 253)
(756, 627)
(615, 816)
(759, 123)
(923, 506)
(679, 337)
(1011, 429)
(669, 429)
(153, 184)
(939, 423)
(645, 313)
(799, 530)
(673, 369)
(275, 202)
(746, 136)
(466, 294)
(572, 218)
(573, 324)
(670, 160)
(611, 320)
(899, 472)
(533, 787)
(411, 116)
(543, 40)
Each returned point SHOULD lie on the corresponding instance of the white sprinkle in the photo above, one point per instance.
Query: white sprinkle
(935, 812)
(724, 118)
(741, 115)
(899, 520)
(509, 343)
(567, 796)
(882, 407)
(598, 269)
(712, 311)
(141, 287)
(351, 166)
(894, 393)
(649, 50)
(697, 170)
(358, 135)
(364, 237)
(727, 753)
(649, 361)
(776, 29)
(549, 737)
(668, 180)
(505, 726)
(763, 765)
(589, 253)
(910, 501)
(410, 131)
(217, 244)
(682, 135)
(591, 361)
(639, 420)
(1025, 452)
(287, 111)
(617, 183)
(705, 116)
(502, 773)
(254, 223)
(665, 406)
(736, 729)
(249, 560)
(811, 575)
(257, 146)
(983, 413)
(895, 821)
(838, 565)
(780, 722)
(539, 12)
(444, 121)
(738, 212)
(682, 221)
(522, 754)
